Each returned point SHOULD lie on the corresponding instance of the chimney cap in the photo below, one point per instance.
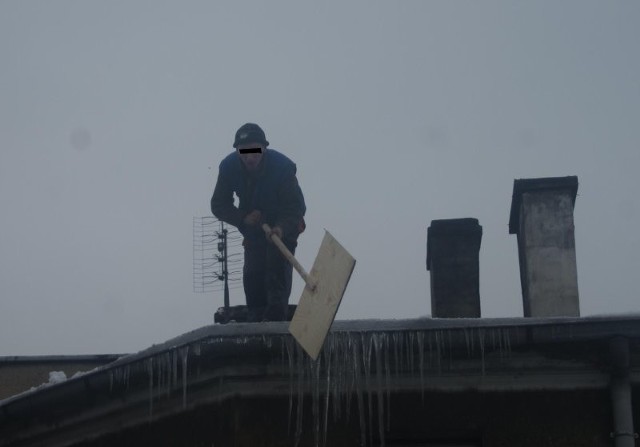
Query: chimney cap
(521, 186)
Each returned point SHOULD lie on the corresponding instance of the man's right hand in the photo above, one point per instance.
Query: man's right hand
(253, 218)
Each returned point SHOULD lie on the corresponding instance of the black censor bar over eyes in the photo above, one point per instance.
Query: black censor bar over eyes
(253, 150)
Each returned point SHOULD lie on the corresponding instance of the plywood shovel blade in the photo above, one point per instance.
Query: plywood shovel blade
(318, 305)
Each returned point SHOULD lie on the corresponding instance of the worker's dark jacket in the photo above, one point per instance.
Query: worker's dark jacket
(273, 190)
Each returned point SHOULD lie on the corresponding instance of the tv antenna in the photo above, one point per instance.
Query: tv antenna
(217, 257)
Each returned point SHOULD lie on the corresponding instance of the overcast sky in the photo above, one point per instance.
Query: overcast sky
(114, 116)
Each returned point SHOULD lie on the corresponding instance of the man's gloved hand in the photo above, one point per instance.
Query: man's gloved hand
(253, 218)
(274, 230)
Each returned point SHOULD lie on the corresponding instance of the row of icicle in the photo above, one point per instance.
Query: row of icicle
(353, 366)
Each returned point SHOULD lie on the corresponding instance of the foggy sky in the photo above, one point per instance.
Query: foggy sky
(114, 116)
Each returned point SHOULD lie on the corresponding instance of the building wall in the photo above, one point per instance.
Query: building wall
(497, 419)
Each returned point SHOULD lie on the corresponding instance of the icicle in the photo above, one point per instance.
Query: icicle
(328, 352)
(300, 367)
(473, 340)
(174, 368)
(387, 374)
(333, 375)
(481, 341)
(168, 365)
(421, 362)
(288, 342)
(438, 336)
(267, 340)
(467, 341)
(430, 343)
(336, 370)
(184, 354)
(282, 352)
(127, 374)
(157, 363)
(367, 340)
(162, 373)
(315, 400)
(349, 363)
(150, 372)
(396, 362)
(379, 391)
(410, 355)
(401, 350)
(357, 358)
(492, 335)
(168, 372)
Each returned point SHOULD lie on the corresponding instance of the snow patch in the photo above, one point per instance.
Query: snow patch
(57, 377)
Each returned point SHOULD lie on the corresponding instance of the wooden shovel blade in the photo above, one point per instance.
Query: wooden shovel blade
(317, 308)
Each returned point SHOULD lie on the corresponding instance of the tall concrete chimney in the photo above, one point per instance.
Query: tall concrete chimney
(453, 247)
(542, 217)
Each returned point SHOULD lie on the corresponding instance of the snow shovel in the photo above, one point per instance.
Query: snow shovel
(325, 286)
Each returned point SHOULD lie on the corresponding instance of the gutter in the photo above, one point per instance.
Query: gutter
(623, 432)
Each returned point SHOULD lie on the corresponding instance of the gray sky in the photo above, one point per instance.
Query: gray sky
(114, 116)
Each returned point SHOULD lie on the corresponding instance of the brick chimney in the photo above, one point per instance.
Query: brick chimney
(542, 217)
(453, 248)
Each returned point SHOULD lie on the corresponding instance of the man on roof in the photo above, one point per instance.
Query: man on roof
(265, 182)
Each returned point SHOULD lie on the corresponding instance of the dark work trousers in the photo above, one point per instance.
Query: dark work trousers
(267, 277)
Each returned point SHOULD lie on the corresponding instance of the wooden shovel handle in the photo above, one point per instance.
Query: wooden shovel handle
(287, 254)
